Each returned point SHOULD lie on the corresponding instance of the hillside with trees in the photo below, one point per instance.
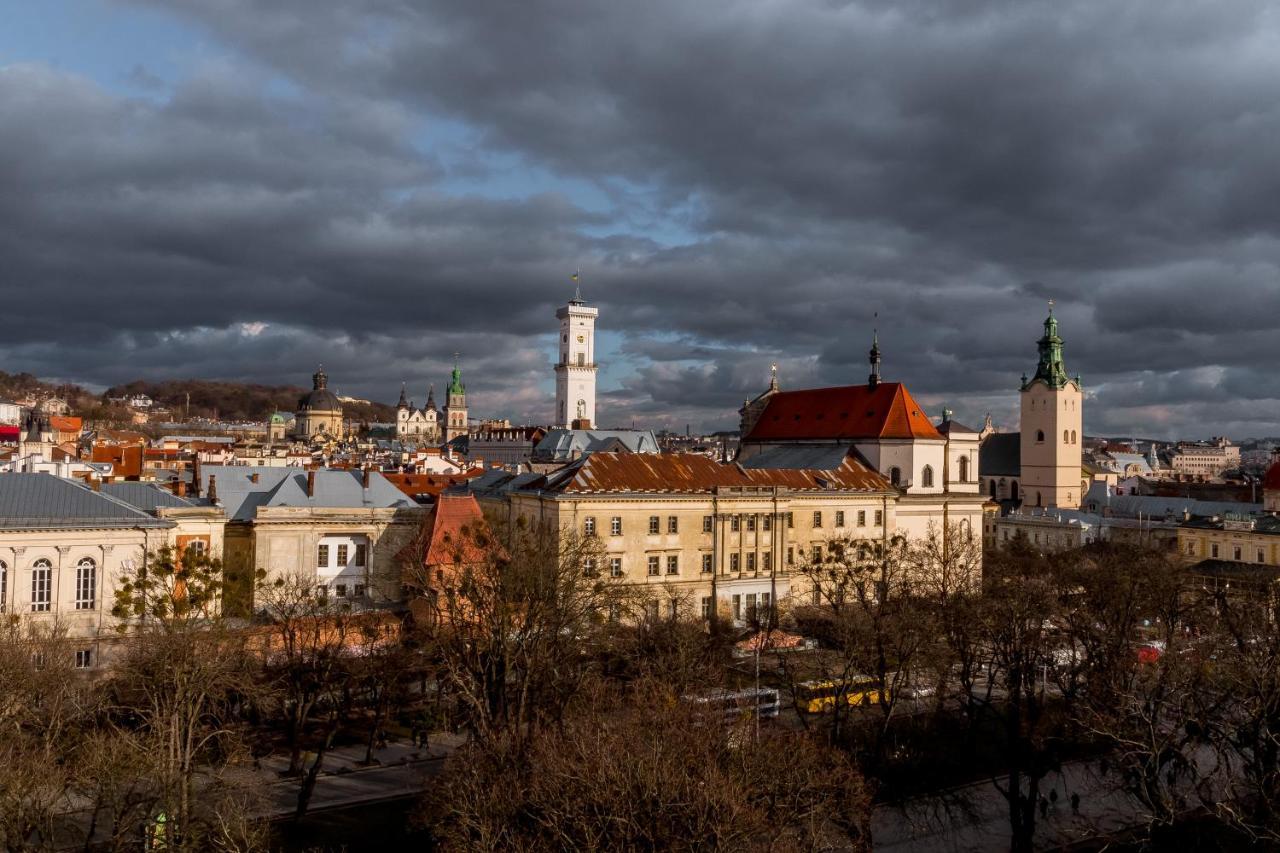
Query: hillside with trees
(235, 400)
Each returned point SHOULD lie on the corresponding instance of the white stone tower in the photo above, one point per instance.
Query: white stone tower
(576, 369)
(1052, 428)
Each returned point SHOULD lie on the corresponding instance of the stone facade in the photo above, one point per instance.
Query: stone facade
(576, 368)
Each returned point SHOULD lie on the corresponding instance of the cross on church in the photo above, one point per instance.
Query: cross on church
(1050, 306)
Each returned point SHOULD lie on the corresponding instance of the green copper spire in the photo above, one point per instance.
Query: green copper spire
(1050, 369)
(455, 383)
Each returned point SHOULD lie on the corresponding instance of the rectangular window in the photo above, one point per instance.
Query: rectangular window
(751, 562)
(86, 584)
(589, 567)
(751, 607)
(342, 555)
(615, 526)
(322, 556)
(733, 562)
(707, 522)
(654, 523)
(1191, 547)
(735, 523)
(879, 517)
(751, 523)
(1213, 550)
(41, 579)
(839, 518)
(340, 590)
(362, 554)
(817, 518)
(1262, 556)
(673, 565)
(673, 524)
(706, 563)
(862, 518)
(84, 658)
(673, 609)
(651, 608)
(359, 590)
(767, 522)
(766, 561)
(737, 607)
(653, 566)
(764, 601)
(706, 607)
(1236, 553)
(615, 567)
(791, 519)
(817, 553)
(589, 526)
(791, 556)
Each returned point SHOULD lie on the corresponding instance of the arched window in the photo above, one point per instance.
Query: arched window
(1039, 500)
(1073, 436)
(86, 584)
(1066, 437)
(41, 585)
(994, 493)
(895, 475)
(4, 584)
(1040, 436)
(963, 466)
(1013, 490)
(926, 477)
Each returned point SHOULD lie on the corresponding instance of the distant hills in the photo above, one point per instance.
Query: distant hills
(236, 401)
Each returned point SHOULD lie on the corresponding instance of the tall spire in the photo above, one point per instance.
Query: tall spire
(1049, 368)
(773, 377)
(455, 382)
(431, 396)
(404, 401)
(874, 355)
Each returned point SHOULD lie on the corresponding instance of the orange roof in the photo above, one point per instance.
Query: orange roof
(688, 472)
(449, 543)
(65, 423)
(430, 484)
(127, 458)
(850, 412)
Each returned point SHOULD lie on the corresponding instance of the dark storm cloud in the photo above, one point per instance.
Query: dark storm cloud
(775, 175)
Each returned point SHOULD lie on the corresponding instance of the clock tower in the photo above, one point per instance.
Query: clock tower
(576, 367)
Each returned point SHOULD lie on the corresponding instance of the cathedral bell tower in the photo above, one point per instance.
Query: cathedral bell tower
(576, 369)
(1052, 428)
(455, 407)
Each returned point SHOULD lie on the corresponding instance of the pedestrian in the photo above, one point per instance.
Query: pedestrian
(1075, 803)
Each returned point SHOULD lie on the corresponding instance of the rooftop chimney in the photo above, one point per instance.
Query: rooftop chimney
(213, 489)
(311, 484)
(180, 487)
(195, 477)
(368, 477)
(253, 478)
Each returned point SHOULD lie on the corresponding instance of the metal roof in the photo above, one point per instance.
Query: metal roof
(241, 496)
(562, 445)
(146, 496)
(1000, 455)
(694, 473)
(43, 501)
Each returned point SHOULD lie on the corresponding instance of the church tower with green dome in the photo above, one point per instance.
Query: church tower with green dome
(455, 406)
(1052, 428)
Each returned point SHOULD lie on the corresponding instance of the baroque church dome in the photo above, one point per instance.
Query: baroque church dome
(320, 398)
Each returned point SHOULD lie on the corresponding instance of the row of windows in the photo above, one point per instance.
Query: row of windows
(343, 552)
(42, 585)
(1068, 436)
(736, 522)
(340, 590)
(745, 607)
(1237, 552)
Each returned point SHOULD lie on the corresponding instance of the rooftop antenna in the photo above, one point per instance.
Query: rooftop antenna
(874, 356)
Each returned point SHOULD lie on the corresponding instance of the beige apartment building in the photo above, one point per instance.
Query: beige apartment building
(1209, 459)
(64, 548)
(696, 534)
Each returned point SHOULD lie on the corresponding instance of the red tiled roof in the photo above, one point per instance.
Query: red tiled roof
(65, 423)
(127, 458)
(849, 412)
(1272, 481)
(688, 472)
(450, 544)
(430, 484)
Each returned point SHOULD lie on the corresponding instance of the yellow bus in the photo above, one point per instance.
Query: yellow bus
(818, 696)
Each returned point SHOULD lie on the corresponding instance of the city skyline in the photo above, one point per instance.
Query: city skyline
(222, 192)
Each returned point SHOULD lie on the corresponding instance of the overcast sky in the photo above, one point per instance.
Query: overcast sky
(238, 190)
